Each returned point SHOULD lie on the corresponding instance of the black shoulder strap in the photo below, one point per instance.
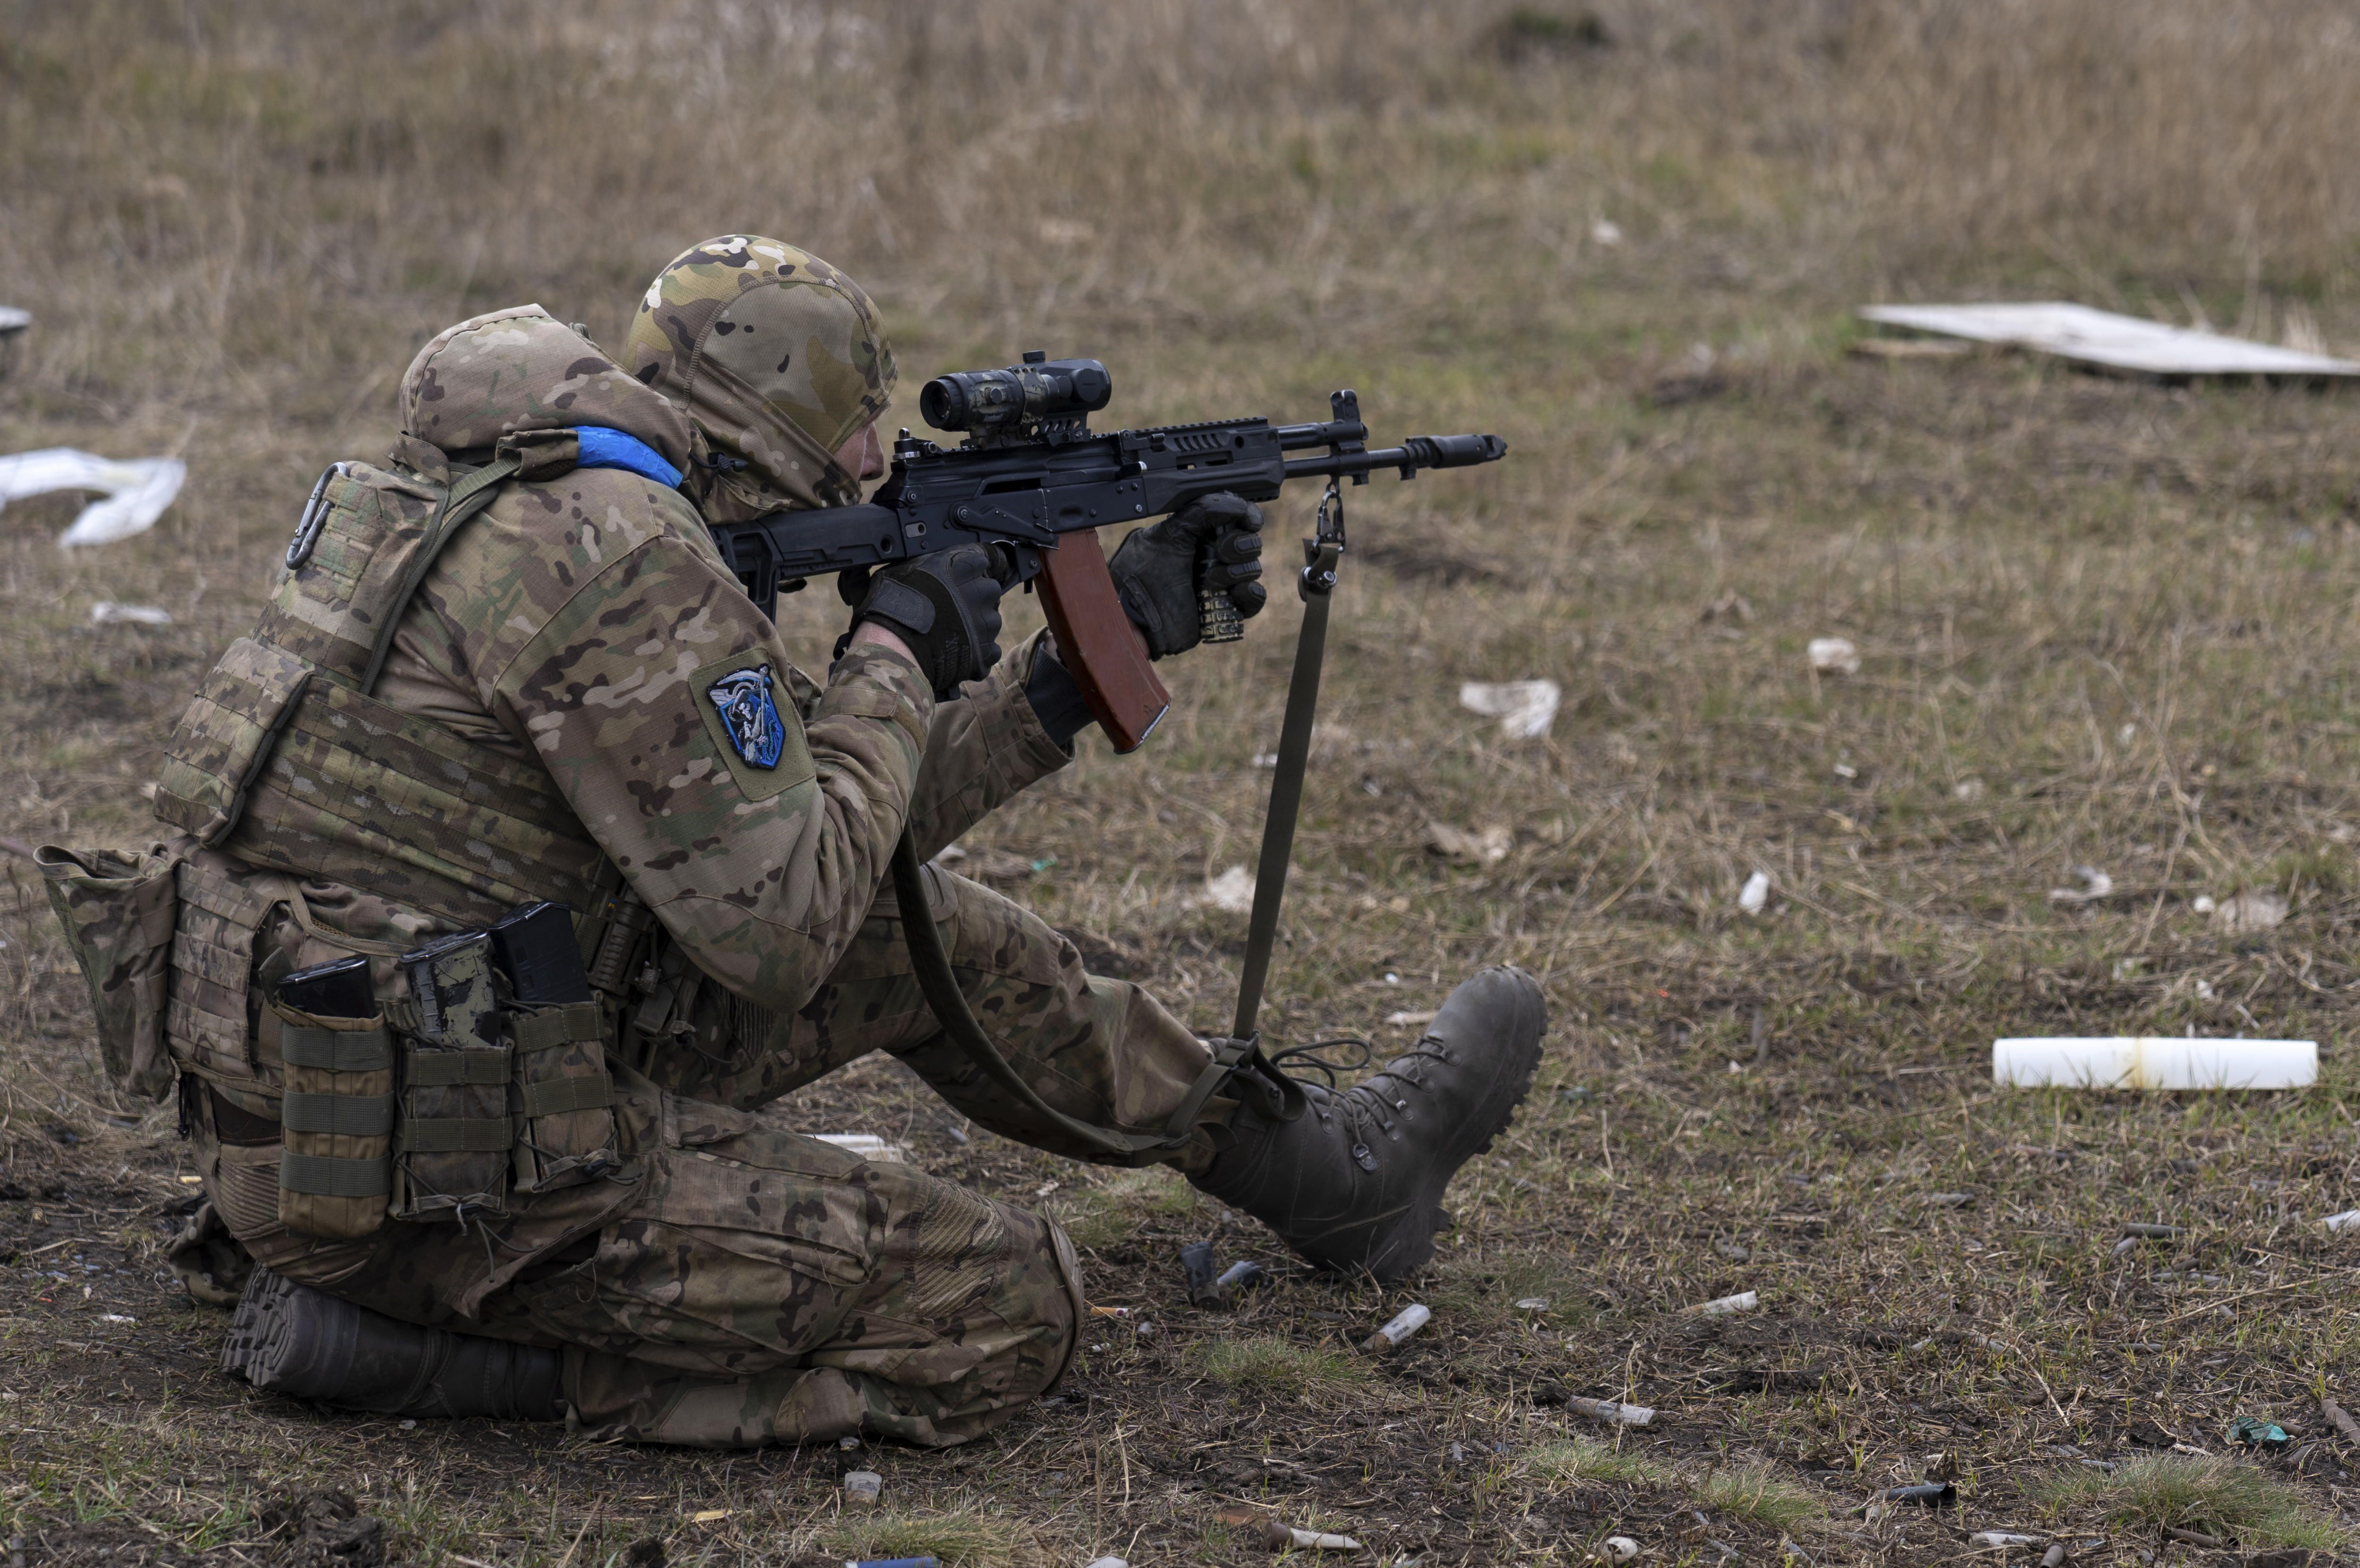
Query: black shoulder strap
(941, 989)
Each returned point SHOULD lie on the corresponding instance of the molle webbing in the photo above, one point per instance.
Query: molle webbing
(450, 1069)
(285, 761)
(360, 793)
(336, 1050)
(457, 1135)
(344, 1116)
(335, 1121)
(326, 1176)
(556, 1096)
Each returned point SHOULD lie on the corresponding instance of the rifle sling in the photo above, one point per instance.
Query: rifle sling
(1286, 783)
(940, 986)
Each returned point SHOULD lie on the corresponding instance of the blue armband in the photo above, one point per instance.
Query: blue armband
(602, 448)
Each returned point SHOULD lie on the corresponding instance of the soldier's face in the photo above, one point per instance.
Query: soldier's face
(862, 455)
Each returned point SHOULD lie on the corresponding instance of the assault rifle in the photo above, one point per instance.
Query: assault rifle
(1031, 475)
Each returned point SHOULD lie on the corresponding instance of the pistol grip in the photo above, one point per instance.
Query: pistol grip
(1100, 647)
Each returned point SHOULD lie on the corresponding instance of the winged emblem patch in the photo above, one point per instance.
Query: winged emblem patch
(750, 713)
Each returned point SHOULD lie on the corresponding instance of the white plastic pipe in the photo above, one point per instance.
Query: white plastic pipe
(2155, 1062)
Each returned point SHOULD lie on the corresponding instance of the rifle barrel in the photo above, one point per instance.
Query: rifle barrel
(1418, 451)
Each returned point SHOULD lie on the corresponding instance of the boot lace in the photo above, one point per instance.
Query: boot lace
(1307, 1055)
(1368, 1108)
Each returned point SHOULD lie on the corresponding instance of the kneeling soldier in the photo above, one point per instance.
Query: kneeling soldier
(491, 1165)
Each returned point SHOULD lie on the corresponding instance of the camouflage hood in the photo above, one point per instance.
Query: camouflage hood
(777, 358)
(519, 369)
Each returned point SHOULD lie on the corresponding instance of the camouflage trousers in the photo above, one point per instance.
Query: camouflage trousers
(759, 1286)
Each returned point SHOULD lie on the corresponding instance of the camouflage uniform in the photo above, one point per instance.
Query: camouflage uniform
(729, 1282)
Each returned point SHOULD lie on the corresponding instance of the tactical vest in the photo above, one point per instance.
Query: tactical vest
(284, 761)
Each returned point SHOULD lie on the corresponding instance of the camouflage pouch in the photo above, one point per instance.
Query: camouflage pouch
(565, 1124)
(454, 1137)
(565, 1095)
(119, 912)
(335, 1115)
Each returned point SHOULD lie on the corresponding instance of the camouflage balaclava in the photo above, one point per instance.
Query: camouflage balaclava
(776, 357)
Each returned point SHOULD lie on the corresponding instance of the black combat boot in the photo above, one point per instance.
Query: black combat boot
(292, 1339)
(1353, 1182)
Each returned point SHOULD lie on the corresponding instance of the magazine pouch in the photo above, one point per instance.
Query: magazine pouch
(335, 1168)
(565, 1123)
(452, 1139)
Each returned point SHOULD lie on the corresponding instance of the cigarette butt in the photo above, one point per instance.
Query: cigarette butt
(1612, 1412)
(1721, 1306)
(1109, 1311)
(2002, 1539)
(2054, 1557)
(1410, 1319)
(1278, 1537)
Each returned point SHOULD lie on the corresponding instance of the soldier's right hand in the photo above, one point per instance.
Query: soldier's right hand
(946, 606)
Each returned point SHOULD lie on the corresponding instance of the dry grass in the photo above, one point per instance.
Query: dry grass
(1114, 1208)
(1266, 1364)
(202, 207)
(1756, 1493)
(2221, 1498)
(964, 1539)
(1581, 1458)
(2103, 624)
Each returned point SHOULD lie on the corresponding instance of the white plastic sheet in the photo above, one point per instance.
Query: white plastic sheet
(1525, 709)
(107, 612)
(1232, 890)
(136, 489)
(2154, 1062)
(1834, 655)
(2107, 340)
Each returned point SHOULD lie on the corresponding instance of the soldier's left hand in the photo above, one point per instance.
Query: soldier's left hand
(1214, 543)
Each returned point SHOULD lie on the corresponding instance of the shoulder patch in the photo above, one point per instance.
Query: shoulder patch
(749, 714)
(751, 726)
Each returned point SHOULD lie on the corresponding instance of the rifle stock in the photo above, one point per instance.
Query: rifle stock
(1102, 650)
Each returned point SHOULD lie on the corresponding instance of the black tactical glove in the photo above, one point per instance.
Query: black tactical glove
(1212, 545)
(946, 606)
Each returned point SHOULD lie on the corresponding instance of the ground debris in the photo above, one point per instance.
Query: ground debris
(323, 1527)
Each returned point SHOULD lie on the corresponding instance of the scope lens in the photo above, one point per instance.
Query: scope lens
(942, 403)
(979, 399)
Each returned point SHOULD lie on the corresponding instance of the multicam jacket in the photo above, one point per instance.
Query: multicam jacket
(578, 696)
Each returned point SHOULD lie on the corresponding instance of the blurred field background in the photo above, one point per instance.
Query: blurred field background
(2103, 624)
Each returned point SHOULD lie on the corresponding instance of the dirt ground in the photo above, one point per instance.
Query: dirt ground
(2100, 624)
